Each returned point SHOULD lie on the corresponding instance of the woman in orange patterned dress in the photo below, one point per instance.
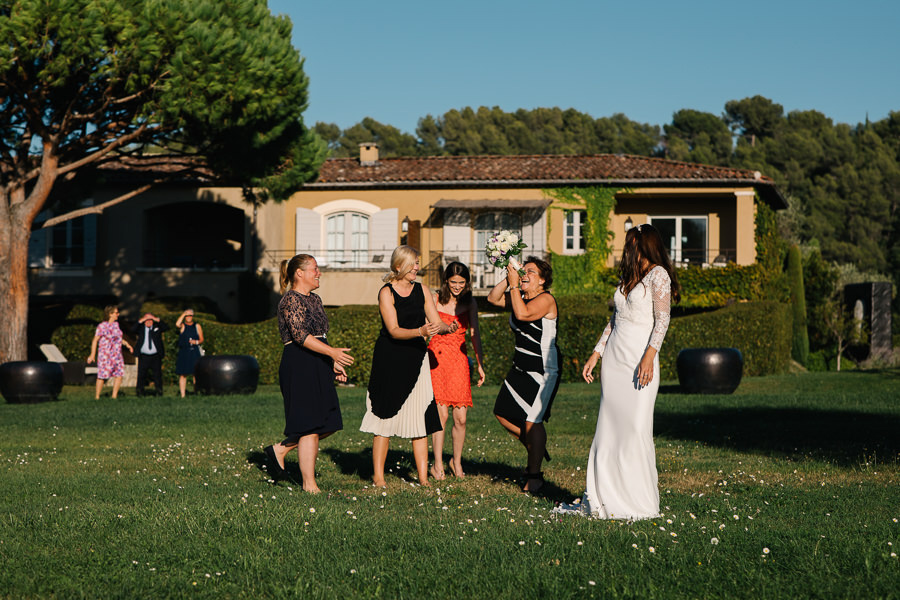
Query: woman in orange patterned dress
(450, 363)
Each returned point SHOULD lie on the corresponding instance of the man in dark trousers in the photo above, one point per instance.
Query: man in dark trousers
(150, 352)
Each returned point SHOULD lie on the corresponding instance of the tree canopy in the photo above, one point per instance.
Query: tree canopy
(83, 82)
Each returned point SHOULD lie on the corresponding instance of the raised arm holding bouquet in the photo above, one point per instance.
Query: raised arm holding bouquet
(502, 248)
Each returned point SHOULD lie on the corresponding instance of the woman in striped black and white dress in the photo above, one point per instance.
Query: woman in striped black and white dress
(523, 403)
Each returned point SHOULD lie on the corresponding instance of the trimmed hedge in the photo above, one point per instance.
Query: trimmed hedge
(761, 330)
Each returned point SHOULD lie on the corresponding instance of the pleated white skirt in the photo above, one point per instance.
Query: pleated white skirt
(410, 421)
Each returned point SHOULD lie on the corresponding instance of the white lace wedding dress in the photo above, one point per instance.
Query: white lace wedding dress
(621, 469)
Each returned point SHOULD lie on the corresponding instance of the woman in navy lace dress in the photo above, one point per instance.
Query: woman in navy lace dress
(308, 370)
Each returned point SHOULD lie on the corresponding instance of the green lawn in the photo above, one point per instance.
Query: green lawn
(787, 488)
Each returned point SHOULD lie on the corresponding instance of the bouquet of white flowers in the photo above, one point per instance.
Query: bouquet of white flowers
(502, 249)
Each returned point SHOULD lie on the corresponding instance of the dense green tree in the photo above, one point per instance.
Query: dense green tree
(698, 137)
(83, 82)
(753, 118)
(330, 133)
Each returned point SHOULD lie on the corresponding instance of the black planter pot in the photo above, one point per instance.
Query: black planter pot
(228, 374)
(30, 381)
(709, 370)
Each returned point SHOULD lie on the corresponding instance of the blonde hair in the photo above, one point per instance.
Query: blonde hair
(289, 267)
(403, 259)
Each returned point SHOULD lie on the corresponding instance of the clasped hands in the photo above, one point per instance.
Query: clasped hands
(430, 329)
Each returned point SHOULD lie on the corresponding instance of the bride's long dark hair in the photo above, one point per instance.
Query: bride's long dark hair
(644, 241)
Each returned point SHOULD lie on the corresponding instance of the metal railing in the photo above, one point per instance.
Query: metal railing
(334, 259)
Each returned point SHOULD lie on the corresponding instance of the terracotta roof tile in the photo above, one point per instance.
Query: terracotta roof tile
(546, 168)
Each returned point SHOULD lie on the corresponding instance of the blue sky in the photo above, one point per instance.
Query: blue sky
(398, 60)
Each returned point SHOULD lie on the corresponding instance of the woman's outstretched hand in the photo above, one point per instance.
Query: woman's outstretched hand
(340, 357)
(587, 371)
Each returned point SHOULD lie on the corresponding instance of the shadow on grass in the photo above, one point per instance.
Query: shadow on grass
(844, 438)
(401, 463)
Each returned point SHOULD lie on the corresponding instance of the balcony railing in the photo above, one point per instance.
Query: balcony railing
(335, 259)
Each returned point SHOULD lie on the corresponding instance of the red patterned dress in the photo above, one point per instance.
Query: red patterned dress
(110, 362)
(450, 376)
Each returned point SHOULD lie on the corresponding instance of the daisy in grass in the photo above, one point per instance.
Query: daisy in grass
(502, 248)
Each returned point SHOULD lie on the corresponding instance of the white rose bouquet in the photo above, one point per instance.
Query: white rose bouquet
(502, 249)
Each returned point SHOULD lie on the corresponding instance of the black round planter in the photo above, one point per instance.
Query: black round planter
(30, 381)
(228, 374)
(709, 370)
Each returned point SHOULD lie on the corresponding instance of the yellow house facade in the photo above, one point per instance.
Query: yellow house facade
(359, 209)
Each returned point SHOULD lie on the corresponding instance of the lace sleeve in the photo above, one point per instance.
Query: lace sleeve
(294, 313)
(661, 291)
(601, 345)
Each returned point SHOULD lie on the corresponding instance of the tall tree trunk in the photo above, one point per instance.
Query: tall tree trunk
(14, 236)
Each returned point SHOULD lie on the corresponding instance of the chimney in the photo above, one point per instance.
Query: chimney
(368, 154)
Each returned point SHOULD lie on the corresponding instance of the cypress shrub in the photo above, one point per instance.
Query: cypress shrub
(799, 335)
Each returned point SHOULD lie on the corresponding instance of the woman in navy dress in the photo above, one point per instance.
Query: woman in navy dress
(307, 371)
(190, 336)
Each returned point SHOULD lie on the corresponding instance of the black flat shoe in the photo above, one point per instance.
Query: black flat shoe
(276, 470)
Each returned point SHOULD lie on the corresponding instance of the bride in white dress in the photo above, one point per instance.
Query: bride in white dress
(621, 469)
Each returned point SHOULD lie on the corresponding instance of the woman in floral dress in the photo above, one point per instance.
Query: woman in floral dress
(108, 341)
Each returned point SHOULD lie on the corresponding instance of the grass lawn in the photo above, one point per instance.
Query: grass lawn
(788, 488)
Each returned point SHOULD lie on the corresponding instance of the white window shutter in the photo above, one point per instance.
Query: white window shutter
(458, 232)
(308, 237)
(383, 231)
(534, 232)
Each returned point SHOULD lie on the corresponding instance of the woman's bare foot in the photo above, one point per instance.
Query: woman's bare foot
(312, 489)
(379, 483)
(456, 469)
(438, 474)
(533, 482)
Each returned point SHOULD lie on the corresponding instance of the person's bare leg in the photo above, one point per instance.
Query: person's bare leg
(513, 429)
(307, 452)
(182, 384)
(99, 387)
(380, 446)
(281, 451)
(117, 381)
(437, 443)
(420, 453)
(459, 439)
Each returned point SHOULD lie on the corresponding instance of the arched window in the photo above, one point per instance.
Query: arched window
(347, 238)
(198, 235)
